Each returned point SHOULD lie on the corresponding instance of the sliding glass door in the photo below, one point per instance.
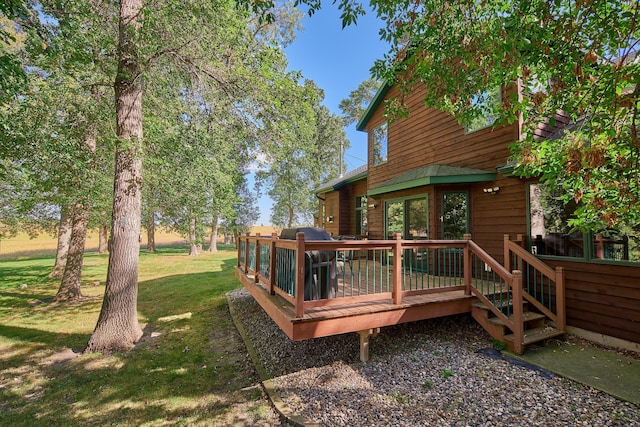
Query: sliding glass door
(409, 216)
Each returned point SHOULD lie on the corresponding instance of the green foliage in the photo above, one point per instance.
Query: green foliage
(498, 345)
(447, 373)
(300, 150)
(359, 99)
(179, 376)
(578, 58)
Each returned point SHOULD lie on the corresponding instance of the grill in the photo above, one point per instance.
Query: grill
(320, 277)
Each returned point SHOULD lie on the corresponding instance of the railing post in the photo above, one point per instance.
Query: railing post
(238, 246)
(467, 265)
(397, 269)
(272, 264)
(507, 253)
(256, 276)
(518, 325)
(560, 300)
(300, 267)
(246, 253)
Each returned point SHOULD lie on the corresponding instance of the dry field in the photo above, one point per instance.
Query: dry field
(45, 244)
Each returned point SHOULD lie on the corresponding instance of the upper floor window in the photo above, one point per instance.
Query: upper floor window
(487, 101)
(380, 144)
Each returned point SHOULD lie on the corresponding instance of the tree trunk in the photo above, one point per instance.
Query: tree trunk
(193, 247)
(103, 239)
(151, 233)
(118, 327)
(290, 221)
(64, 235)
(213, 241)
(70, 285)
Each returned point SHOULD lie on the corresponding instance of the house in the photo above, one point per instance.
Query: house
(428, 177)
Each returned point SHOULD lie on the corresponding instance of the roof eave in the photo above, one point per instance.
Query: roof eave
(434, 180)
(373, 106)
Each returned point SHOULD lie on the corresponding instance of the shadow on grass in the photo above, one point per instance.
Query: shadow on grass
(39, 336)
(16, 273)
(190, 371)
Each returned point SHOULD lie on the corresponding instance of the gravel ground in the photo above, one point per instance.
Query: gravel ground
(430, 373)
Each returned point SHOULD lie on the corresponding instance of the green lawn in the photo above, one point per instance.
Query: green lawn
(190, 368)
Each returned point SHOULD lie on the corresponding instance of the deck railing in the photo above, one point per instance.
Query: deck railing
(543, 286)
(312, 274)
(322, 273)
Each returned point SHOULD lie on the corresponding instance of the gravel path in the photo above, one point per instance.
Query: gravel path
(430, 373)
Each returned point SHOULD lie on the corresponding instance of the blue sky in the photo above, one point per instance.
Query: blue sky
(337, 61)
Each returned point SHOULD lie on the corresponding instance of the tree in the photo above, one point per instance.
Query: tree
(305, 147)
(62, 248)
(576, 58)
(12, 75)
(117, 326)
(359, 99)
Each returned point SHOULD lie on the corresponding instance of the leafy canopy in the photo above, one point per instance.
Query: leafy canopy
(570, 58)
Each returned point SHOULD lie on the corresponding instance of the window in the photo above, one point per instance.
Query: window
(486, 101)
(551, 235)
(410, 217)
(379, 143)
(361, 216)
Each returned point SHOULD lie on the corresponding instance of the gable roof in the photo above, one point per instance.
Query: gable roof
(355, 175)
(373, 106)
(433, 174)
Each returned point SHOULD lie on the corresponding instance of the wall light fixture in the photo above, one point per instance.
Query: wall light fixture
(491, 190)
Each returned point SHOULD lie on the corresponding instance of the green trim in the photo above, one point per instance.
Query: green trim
(357, 174)
(507, 170)
(351, 180)
(433, 175)
(373, 106)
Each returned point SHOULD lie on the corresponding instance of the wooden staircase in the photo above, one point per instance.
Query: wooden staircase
(520, 303)
(536, 326)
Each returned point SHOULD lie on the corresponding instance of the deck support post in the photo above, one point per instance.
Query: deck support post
(365, 335)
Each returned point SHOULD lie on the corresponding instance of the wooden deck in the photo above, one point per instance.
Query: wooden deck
(320, 288)
(351, 315)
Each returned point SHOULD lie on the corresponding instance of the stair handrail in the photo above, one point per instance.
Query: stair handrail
(555, 276)
(511, 279)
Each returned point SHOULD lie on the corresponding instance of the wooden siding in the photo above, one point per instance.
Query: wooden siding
(341, 205)
(602, 298)
(429, 136)
(348, 195)
(332, 208)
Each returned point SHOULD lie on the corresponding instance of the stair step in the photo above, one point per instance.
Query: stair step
(498, 304)
(527, 316)
(537, 334)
